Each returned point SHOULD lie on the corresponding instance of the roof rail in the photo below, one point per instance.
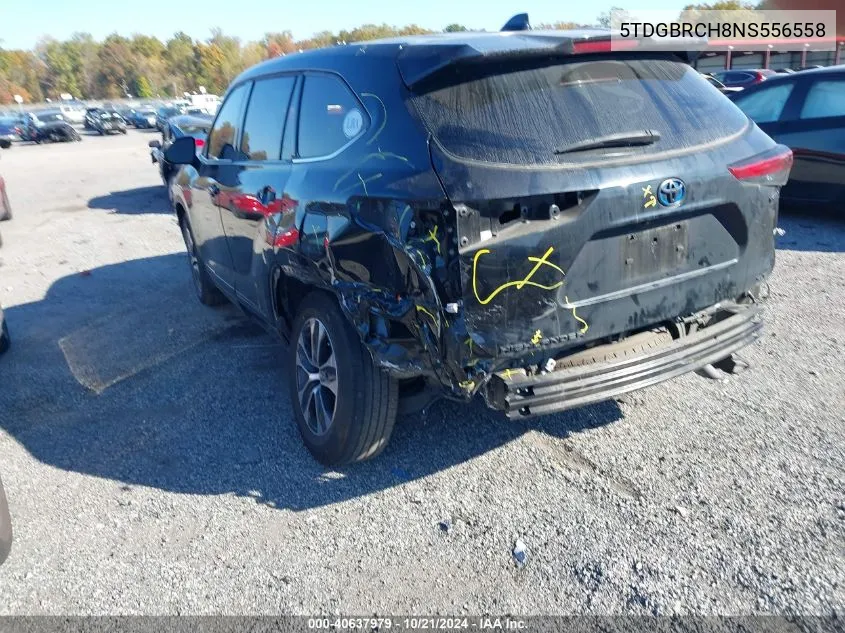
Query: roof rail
(519, 22)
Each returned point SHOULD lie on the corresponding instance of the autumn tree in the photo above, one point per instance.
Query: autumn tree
(276, 44)
(117, 67)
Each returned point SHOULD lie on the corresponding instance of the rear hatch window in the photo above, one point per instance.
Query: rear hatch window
(530, 112)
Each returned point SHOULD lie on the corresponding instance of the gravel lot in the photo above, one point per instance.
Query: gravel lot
(152, 465)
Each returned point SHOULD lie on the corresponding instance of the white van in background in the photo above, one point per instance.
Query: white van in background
(72, 113)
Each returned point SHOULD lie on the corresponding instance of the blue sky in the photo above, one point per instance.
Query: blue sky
(23, 23)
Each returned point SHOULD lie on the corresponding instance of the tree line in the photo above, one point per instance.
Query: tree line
(144, 66)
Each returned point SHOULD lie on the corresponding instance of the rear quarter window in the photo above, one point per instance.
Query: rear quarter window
(330, 117)
(521, 114)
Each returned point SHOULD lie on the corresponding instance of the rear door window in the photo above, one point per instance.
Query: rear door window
(330, 116)
(522, 112)
(766, 104)
(824, 99)
(265, 118)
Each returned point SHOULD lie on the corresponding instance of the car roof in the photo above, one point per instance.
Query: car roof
(437, 49)
(829, 70)
(191, 119)
(833, 71)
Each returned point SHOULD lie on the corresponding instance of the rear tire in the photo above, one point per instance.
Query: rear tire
(207, 292)
(336, 374)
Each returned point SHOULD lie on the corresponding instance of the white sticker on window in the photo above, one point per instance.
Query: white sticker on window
(352, 123)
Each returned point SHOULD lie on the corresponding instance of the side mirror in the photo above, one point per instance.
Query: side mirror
(182, 151)
(155, 144)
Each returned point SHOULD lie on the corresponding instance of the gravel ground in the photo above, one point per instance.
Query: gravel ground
(153, 466)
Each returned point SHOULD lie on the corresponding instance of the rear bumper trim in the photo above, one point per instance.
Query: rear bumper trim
(652, 285)
(520, 395)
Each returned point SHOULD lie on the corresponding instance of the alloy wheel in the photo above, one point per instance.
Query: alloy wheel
(316, 376)
(192, 256)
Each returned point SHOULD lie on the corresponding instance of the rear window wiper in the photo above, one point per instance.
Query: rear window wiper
(622, 139)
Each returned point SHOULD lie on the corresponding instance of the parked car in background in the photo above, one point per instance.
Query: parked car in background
(72, 113)
(109, 122)
(166, 112)
(742, 78)
(144, 119)
(806, 112)
(195, 126)
(9, 131)
(47, 127)
(127, 114)
(374, 211)
(198, 111)
(88, 120)
(720, 86)
(5, 206)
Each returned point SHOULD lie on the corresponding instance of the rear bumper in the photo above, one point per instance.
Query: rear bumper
(520, 395)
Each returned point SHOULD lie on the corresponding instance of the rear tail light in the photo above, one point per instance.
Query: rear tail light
(769, 168)
(199, 143)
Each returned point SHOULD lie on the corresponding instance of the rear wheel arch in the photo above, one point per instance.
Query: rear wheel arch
(287, 294)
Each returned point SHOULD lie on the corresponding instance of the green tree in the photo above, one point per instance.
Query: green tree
(180, 62)
(734, 11)
(319, 40)
(117, 67)
(63, 67)
(143, 88)
(455, 28)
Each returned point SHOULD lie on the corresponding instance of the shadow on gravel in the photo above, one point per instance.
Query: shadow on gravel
(811, 231)
(121, 374)
(134, 201)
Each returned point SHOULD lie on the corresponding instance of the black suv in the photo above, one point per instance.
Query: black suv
(524, 215)
(108, 122)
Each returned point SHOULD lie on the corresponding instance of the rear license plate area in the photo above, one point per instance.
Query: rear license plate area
(654, 252)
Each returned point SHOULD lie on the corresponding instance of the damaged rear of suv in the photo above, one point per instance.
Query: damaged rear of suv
(523, 215)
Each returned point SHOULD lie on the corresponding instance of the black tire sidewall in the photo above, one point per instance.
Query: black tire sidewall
(204, 288)
(330, 448)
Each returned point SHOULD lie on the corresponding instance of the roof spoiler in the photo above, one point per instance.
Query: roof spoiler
(423, 62)
(519, 22)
